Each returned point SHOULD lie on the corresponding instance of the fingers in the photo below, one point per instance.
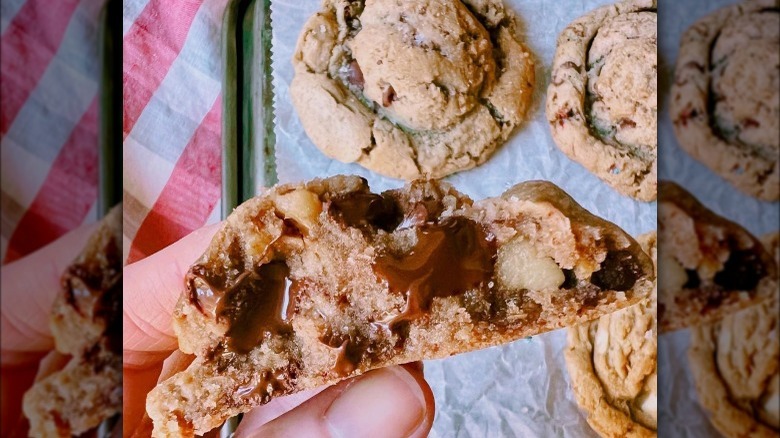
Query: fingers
(389, 402)
(29, 286)
(151, 288)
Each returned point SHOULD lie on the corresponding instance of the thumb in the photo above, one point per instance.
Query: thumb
(388, 402)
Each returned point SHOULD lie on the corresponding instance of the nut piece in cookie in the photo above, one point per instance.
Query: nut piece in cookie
(423, 89)
(612, 364)
(421, 272)
(735, 367)
(725, 103)
(708, 265)
(87, 327)
(602, 98)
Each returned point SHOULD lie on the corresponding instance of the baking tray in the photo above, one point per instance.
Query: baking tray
(248, 139)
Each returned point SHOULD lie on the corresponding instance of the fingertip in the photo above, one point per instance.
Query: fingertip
(392, 401)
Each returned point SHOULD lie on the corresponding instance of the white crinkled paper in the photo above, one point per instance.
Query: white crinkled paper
(520, 389)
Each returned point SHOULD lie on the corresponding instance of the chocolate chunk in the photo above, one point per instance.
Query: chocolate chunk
(570, 279)
(366, 211)
(693, 279)
(355, 75)
(742, 271)
(619, 272)
(388, 96)
(257, 302)
(255, 305)
(269, 385)
(448, 259)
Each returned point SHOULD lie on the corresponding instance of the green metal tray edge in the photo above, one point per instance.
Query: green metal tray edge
(248, 140)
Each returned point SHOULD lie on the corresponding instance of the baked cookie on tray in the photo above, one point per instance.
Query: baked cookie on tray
(601, 101)
(86, 324)
(735, 366)
(308, 284)
(420, 90)
(725, 103)
(612, 365)
(709, 266)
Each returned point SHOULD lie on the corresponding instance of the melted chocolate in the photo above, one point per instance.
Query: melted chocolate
(619, 272)
(350, 352)
(92, 278)
(269, 385)
(742, 271)
(256, 304)
(448, 259)
(365, 211)
(349, 356)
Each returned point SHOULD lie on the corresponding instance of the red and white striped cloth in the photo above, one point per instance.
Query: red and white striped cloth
(49, 72)
(172, 76)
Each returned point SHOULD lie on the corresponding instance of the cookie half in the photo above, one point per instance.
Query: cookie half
(423, 89)
(725, 103)
(86, 324)
(708, 265)
(612, 365)
(602, 99)
(735, 366)
(312, 283)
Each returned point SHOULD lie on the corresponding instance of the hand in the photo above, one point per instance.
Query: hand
(390, 402)
(29, 287)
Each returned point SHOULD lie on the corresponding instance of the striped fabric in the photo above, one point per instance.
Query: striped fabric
(48, 120)
(172, 120)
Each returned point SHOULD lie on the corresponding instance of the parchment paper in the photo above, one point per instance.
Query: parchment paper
(679, 411)
(520, 389)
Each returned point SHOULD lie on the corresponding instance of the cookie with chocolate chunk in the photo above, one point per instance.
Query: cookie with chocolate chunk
(725, 103)
(312, 283)
(708, 265)
(87, 326)
(601, 101)
(612, 364)
(735, 367)
(423, 89)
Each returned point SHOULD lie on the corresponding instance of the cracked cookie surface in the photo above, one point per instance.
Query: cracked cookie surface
(725, 103)
(735, 367)
(312, 283)
(709, 266)
(423, 90)
(612, 364)
(601, 101)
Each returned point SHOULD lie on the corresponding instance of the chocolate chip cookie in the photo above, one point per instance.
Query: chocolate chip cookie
(725, 103)
(735, 367)
(420, 90)
(86, 324)
(612, 364)
(709, 266)
(601, 101)
(312, 283)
